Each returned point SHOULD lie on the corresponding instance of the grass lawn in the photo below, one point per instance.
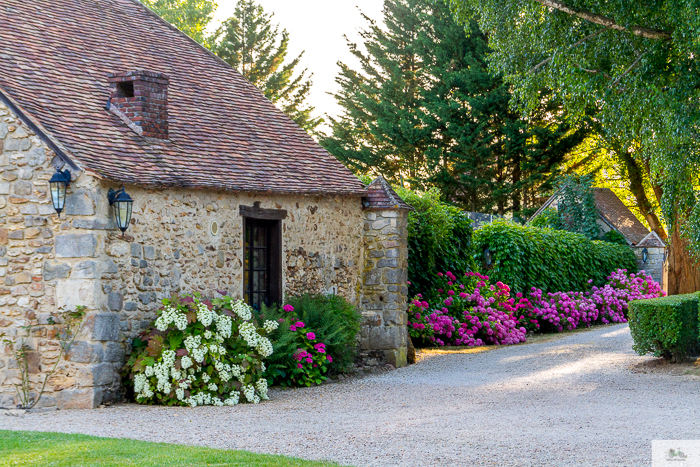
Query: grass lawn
(35, 449)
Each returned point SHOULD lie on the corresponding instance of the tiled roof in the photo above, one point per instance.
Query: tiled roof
(55, 57)
(613, 210)
(652, 241)
(380, 195)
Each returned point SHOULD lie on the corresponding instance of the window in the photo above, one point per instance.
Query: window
(125, 89)
(262, 255)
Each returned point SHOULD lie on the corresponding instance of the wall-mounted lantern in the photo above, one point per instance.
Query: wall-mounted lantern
(645, 255)
(59, 183)
(487, 257)
(122, 203)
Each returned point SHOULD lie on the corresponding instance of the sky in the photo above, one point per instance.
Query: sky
(317, 27)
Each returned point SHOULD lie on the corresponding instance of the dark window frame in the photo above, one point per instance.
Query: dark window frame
(271, 219)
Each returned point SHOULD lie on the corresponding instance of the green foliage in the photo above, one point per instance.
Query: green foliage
(37, 449)
(577, 211)
(552, 260)
(335, 323)
(249, 42)
(190, 16)
(201, 352)
(439, 239)
(613, 236)
(666, 327)
(635, 62)
(547, 219)
(423, 109)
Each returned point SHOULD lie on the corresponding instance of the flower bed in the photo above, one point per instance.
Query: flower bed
(474, 312)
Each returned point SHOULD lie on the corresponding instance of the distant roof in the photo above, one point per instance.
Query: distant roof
(652, 241)
(380, 195)
(55, 57)
(613, 210)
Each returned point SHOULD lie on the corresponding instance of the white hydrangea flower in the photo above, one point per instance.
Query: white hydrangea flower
(264, 346)
(270, 325)
(223, 326)
(205, 377)
(243, 310)
(185, 362)
(149, 371)
(171, 315)
(180, 393)
(249, 334)
(261, 387)
(249, 392)
(204, 314)
(207, 334)
(193, 342)
(213, 387)
(233, 399)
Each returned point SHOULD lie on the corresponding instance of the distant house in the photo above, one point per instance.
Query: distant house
(227, 194)
(614, 215)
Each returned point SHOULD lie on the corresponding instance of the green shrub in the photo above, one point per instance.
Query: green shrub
(613, 236)
(334, 321)
(547, 259)
(201, 352)
(547, 219)
(439, 239)
(666, 327)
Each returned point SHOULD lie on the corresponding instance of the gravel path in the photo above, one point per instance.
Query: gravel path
(568, 401)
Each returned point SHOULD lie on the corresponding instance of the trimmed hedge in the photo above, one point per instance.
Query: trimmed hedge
(547, 259)
(666, 327)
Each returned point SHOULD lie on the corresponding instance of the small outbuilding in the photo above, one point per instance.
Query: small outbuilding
(172, 174)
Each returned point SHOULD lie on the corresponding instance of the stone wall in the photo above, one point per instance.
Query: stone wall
(384, 291)
(49, 265)
(655, 263)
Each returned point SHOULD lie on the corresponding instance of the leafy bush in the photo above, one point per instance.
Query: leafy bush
(547, 219)
(473, 312)
(577, 211)
(551, 260)
(467, 312)
(201, 352)
(439, 239)
(334, 322)
(666, 327)
(613, 236)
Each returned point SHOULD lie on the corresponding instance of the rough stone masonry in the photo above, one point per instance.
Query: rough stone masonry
(49, 265)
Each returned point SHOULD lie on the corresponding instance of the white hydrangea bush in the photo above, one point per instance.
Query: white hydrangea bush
(202, 352)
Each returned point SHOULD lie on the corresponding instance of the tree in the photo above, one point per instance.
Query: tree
(634, 61)
(423, 110)
(190, 16)
(249, 42)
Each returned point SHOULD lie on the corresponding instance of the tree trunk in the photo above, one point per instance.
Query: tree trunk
(683, 272)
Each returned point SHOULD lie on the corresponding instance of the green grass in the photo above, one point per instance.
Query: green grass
(34, 449)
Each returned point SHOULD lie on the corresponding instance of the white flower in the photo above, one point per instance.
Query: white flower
(270, 325)
(180, 393)
(233, 399)
(185, 362)
(205, 377)
(171, 315)
(261, 387)
(207, 334)
(242, 310)
(223, 326)
(264, 347)
(204, 314)
(149, 371)
(213, 387)
(249, 392)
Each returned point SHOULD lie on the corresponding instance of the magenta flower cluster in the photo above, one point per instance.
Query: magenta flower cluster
(473, 312)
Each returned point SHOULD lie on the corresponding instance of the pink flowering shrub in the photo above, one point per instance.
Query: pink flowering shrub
(473, 312)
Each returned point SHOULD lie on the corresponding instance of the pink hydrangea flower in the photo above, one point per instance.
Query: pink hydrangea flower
(311, 336)
(288, 308)
(330, 359)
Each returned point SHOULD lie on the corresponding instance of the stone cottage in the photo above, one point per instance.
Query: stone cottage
(228, 194)
(648, 247)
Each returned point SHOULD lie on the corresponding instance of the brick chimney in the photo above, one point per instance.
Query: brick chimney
(140, 99)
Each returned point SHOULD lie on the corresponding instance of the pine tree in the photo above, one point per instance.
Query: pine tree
(424, 110)
(249, 42)
(190, 16)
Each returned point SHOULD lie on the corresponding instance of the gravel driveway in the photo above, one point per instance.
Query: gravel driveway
(568, 401)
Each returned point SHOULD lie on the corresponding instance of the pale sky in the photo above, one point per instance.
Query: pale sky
(317, 27)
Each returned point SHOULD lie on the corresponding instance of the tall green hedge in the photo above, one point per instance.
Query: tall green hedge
(551, 260)
(666, 327)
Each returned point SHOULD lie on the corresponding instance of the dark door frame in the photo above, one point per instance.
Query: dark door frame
(272, 219)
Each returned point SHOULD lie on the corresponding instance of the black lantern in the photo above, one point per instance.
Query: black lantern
(645, 255)
(59, 182)
(122, 203)
(487, 257)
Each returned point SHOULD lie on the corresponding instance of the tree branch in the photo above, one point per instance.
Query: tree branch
(634, 63)
(579, 42)
(641, 31)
